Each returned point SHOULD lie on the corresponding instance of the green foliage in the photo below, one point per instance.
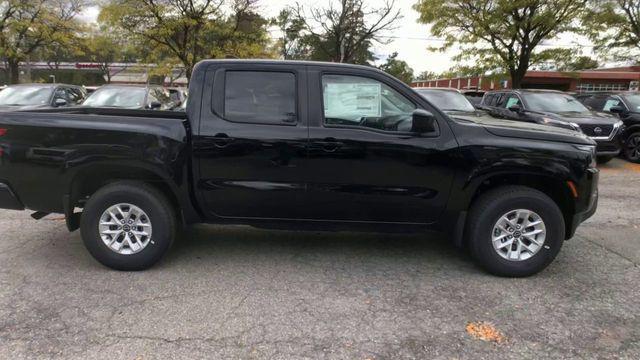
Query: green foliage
(398, 68)
(27, 26)
(190, 31)
(427, 75)
(293, 42)
(614, 27)
(579, 63)
(502, 35)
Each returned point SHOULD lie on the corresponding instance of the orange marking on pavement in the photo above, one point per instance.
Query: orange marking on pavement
(485, 331)
(632, 167)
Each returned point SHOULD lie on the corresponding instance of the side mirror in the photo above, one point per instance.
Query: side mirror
(515, 108)
(617, 110)
(60, 102)
(155, 105)
(422, 122)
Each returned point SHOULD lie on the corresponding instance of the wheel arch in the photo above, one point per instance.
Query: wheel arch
(86, 181)
(557, 189)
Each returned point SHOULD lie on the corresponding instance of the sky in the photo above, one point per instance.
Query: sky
(409, 38)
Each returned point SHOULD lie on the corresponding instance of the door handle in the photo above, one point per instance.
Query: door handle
(222, 140)
(329, 144)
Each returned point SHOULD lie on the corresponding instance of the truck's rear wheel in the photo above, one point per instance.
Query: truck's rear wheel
(515, 231)
(128, 225)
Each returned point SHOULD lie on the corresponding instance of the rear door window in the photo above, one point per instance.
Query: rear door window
(595, 102)
(261, 97)
(487, 100)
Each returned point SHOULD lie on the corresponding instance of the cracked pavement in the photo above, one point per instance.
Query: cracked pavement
(239, 292)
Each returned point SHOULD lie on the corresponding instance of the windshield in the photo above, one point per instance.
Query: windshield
(25, 95)
(447, 100)
(122, 97)
(633, 100)
(553, 102)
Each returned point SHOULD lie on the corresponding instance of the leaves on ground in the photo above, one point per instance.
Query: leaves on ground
(485, 331)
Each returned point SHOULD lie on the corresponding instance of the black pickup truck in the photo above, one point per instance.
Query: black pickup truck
(300, 145)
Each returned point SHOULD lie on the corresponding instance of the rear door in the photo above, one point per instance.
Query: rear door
(251, 142)
(364, 163)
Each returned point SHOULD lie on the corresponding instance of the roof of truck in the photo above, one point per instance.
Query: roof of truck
(287, 62)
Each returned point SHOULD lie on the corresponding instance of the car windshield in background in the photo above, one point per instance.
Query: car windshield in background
(633, 100)
(447, 100)
(120, 97)
(554, 102)
(25, 95)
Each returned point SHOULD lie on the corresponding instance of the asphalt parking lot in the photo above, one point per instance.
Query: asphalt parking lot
(238, 292)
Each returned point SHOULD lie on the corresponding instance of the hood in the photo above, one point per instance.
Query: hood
(6, 108)
(525, 130)
(591, 117)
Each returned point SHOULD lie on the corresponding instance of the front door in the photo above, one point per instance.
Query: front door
(251, 142)
(365, 164)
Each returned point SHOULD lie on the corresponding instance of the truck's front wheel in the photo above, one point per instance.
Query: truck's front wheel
(128, 225)
(515, 231)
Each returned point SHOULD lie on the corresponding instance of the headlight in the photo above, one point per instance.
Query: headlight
(617, 127)
(576, 127)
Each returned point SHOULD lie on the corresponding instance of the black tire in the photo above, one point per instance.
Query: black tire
(632, 148)
(147, 198)
(604, 159)
(486, 211)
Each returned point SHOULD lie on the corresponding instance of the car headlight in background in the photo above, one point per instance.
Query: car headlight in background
(617, 126)
(562, 124)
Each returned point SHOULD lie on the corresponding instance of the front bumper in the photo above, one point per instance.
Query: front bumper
(592, 203)
(608, 147)
(8, 199)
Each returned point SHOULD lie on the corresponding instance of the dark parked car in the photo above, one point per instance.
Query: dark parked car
(557, 109)
(177, 95)
(300, 145)
(40, 96)
(474, 96)
(130, 97)
(448, 100)
(625, 105)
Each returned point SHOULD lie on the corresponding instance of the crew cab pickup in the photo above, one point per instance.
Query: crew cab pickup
(300, 145)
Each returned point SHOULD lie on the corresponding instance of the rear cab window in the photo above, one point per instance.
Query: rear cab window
(262, 97)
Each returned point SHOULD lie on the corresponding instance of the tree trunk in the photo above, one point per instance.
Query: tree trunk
(14, 71)
(188, 70)
(517, 75)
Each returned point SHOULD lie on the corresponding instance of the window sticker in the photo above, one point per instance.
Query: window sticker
(610, 103)
(512, 101)
(353, 100)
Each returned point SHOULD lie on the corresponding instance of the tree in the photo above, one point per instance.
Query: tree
(427, 75)
(105, 46)
(292, 43)
(192, 30)
(398, 68)
(614, 27)
(27, 26)
(500, 34)
(579, 63)
(345, 32)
